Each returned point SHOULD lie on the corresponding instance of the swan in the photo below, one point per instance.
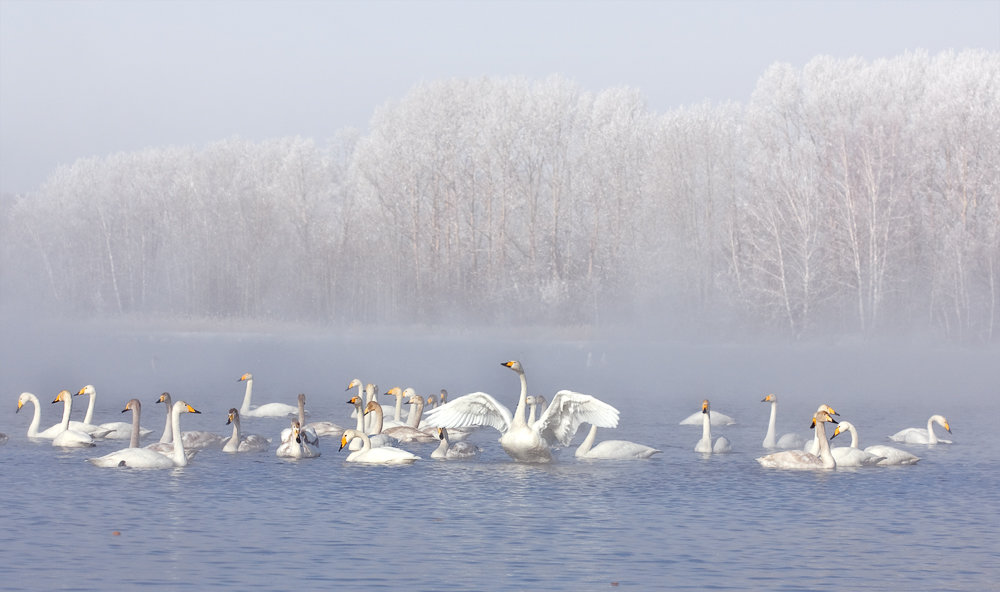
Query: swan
(308, 431)
(522, 441)
(146, 458)
(812, 446)
(800, 459)
(265, 410)
(397, 410)
(193, 440)
(383, 455)
(48, 433)
(443, 397)
(238, 443)
(375, 439)
(612, 449)
(922, 435)
(448, 451)
(392, 436)
(853, 456)
(535, 404)
(69, 437)
(296, 446)
(789, 440)
(409, 432)
(891, 455)
(116, 430)
(705, 445)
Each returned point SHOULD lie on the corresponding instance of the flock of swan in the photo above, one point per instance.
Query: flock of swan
(529, 434)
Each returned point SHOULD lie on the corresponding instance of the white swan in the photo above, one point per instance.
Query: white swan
(800, 459)
(296, 446)
(706, 445)
(612, 449)
(265, 410)
(380, 436)
(193, 440)
(115, 430)
(69, 437)
(308, 431)
(145, 458)
(812, 446)
(923, 435)
(522, 441)
(447, 450)
(383, 455)
(48, 433)
(892, 456)
(241, 443)
(852, 456)
(790, 440)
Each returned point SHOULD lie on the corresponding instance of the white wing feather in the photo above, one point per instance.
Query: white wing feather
(474, 409)
(568, 410)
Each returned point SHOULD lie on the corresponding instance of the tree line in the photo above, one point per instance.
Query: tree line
(849, 197)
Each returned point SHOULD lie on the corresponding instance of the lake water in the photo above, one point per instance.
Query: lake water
(678, 521)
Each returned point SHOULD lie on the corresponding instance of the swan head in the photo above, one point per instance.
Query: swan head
(246, 376)
(769, 399)
(430, 399)
(443, 397)
(844, 426)
(297, 431)
(442, 433)
(530, 400)
(132, 405)
(394, 391)
(823, 417)
(514, 365)
(302, 398)
(354, 383)
(704, 406)
(371, 390)
(355, 400)
(372, 406)
(414, 398)
(164, 398)
(23, 400)
(347, 437)
(941, 421)
(183, 407)
(63, 396)
(87, 390)
(234, 415)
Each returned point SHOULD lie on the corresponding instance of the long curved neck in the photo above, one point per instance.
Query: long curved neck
(855, 438)
(585, 446)
(377, 425)
(90, 408)
(366, 442)
(399, 408)
(824, 446)
(361, 416)
(302, 411)
(168, 432)
(706, 426)
(175, 423)
(134, 440)
(416, 413)
(931, 436)
(245, 408)
(236, 430)
(769, 438)
(67, 408)
(532, 409)
(522, 402)
(36, 418)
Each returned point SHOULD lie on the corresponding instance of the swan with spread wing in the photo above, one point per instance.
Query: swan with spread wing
(521, 440)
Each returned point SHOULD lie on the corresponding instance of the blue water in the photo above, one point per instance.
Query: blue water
(677, 521)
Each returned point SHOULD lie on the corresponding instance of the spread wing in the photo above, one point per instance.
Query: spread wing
(474, 409)
(568, 410)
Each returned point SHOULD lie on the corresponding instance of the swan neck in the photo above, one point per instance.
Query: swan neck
(302, 412)
(855, 438)
(36, 418)
(769, 438)
(134, 440)
(588, 442)
(245, 408)
(67, 408)
(360, 417)
(377, 427)
(416, 414)
(168, 434)
(399, 408)
(931, 436)
(706, 426)
(522, 402)
(366, 442)
(236, 431)
(90, 408)
(824, 446)
(175, 420)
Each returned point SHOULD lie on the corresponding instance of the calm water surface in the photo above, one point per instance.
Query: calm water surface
(678, 521)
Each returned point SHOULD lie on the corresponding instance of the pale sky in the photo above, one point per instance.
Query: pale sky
(84, 78)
